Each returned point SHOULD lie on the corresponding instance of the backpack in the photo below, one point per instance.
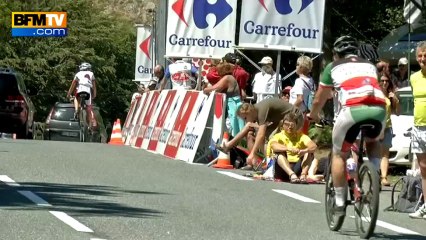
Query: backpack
(410, 197)
(310, 97)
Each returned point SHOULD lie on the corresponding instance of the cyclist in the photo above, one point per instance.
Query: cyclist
(362, 102)
(84, 82)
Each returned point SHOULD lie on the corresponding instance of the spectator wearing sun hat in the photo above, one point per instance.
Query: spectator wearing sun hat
(400, 75)
(264, 82)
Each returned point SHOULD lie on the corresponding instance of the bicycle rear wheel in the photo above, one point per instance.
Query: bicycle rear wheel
(83, 125)
(334, 222)
(367, 209)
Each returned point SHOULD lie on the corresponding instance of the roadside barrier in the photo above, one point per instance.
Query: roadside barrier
(179, 124)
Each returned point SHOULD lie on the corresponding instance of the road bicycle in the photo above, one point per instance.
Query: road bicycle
(363, 189)
(82, 116)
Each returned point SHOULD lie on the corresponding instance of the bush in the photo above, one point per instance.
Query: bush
(321, 136)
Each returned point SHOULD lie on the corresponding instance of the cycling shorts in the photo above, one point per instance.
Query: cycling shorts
(347, 125)
(88, 98)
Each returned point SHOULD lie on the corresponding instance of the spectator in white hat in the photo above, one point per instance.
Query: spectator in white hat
(264, 82)
(400, 75)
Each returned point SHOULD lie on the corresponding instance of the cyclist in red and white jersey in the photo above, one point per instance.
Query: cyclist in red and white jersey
(362, 102)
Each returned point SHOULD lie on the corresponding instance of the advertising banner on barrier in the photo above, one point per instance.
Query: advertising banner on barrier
(191, 101)
(169, 121)
(131, 132)
(144, 55)
(140, 118)
(130, 115)
(164, 113)
(194, 129)
(282, 25)
(150, 109)
(151, 122)
(199, 28)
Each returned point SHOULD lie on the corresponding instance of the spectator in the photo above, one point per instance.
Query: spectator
(392, 106)
(158, 82)
(228, 85)
(401, 74)
(263, 118)
(213, 76)
(299, 94)
(294, 149)
(141, 90)
(265, 81)
(418, 133)
(286, 93)
(239, 73)
(182, 74)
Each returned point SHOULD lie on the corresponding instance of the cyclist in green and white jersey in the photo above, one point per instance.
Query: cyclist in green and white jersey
(362, 102)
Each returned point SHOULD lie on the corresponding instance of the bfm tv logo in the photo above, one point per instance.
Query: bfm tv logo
(201, 8)
(39, 24)
(283, 6)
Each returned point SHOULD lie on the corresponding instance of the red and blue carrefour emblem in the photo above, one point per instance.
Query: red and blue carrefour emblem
(201, 8)
(283, 6)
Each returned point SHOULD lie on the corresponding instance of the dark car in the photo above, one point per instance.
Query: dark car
(16, 109)
(60, 125)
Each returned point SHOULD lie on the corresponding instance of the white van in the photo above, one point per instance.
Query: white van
(401, 125)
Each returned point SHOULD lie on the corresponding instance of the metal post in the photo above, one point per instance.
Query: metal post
(277, 75)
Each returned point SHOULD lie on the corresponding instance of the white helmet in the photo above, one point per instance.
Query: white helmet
(85, 66)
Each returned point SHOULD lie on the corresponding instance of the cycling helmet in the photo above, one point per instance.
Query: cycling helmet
(85, 66)
(345, 45)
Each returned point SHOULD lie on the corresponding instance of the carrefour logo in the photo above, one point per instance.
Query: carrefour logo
(291, 29)
(221, 9)
(283, 6)
(201, 8)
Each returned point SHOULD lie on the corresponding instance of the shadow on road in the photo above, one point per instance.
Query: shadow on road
(77, 200)
(379, 235)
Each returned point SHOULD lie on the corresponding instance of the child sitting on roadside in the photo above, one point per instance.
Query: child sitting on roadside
(294, 151)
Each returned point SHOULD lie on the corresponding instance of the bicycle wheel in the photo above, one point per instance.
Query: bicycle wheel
(367, 208)
(83, 125)
(334, 222)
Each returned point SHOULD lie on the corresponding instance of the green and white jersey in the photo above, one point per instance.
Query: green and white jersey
(355, 80)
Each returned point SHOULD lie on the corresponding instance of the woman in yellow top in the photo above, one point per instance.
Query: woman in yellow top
(392, 106)
(294, 149)
(418, 134)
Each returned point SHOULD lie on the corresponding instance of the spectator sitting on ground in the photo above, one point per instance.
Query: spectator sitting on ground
(229, 86)
(294, 149)
(265, 81)
(263, 118)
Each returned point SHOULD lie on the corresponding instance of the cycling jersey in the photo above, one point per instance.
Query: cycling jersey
(360, 98)
(84, 81)
(355, 80)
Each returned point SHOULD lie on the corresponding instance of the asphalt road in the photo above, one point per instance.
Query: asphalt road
(63, 190)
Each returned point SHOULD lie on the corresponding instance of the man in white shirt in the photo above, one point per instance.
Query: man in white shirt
(182, 74)
(265, 81)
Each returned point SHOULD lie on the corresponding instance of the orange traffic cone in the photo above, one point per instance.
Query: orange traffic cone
(116, 136)
(223, 160)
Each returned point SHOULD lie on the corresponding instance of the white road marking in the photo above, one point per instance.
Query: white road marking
(9, 181)
(97, 239)
(234, 175)
(392, 227)
(35, 199)
(295, 196)
(71, 221)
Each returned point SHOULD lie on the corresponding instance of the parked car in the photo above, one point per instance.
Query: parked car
(60, 125)
(16, 109)
(401, 125)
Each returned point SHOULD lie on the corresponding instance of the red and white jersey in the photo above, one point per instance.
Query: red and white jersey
(181, 75)
(85, 81)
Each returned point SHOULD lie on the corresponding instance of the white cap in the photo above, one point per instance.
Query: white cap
(266, 60)
(403, 61)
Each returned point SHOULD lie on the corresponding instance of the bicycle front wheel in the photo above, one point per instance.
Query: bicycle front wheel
(334, 222)
(367, 208)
